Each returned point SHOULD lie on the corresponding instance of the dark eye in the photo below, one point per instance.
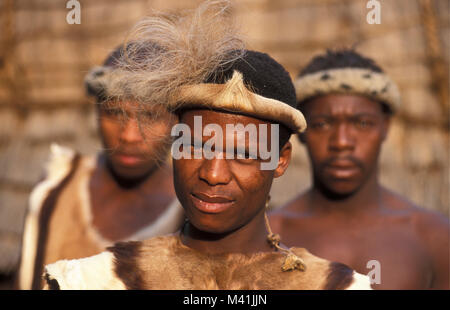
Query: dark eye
(195, 149)
(320, 125)
(363, 124)
(245, 156)
(112, 112)
(187, 149)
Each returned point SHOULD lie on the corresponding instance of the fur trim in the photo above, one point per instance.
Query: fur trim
(97, 80)
(167, 223)
(349, 81)
(360, 282)
(92, 273)
(108, 83)
(85, 207)
(235, 97)
(339, 277)
(57, 168)
(126, 265)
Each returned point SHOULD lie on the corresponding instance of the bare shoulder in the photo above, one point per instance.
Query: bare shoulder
(428, 223)
(431, 228)
(431, 225)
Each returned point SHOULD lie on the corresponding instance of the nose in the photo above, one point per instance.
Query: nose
(131, 131)
(215, 171)
(342, 138)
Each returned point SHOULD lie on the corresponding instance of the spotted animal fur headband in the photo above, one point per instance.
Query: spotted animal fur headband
(375, 85)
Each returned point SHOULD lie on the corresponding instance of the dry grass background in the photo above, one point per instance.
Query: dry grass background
(43, 61)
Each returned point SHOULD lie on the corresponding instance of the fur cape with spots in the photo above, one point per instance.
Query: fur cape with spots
(164, 263)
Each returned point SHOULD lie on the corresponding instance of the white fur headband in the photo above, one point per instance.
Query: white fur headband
(234, 96)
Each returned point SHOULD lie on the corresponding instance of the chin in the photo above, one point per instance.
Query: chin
(212, 230)
(215, 227)
(130, 173)
(339, 190)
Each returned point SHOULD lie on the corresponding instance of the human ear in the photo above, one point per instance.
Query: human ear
(284, 160)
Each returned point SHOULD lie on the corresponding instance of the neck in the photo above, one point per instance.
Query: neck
(250, 238)
(365, 199)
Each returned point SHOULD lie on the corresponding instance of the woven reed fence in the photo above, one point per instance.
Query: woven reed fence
(43, 61)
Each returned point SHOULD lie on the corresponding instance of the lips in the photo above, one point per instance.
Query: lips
(128, 159)
(342, 169)
(207, 203)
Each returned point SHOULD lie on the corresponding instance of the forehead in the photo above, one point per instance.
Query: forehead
(245, 130)
(337, 104)
(219, 117)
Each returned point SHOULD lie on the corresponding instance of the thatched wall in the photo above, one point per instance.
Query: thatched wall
(43, 61)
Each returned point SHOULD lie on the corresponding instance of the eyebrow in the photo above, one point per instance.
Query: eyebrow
(362, 114)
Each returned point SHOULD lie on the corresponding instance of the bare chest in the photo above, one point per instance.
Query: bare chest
(391, 255)
(117, 215)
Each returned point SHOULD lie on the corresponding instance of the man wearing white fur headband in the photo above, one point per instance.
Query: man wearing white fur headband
(348, 102)
(237, 111)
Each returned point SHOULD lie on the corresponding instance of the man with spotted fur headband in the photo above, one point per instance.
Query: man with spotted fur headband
(124, 192)
(226, 242)
(348, 102)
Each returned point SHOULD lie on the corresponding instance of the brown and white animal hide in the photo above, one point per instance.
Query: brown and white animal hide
(59, 220)
(164, 263)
